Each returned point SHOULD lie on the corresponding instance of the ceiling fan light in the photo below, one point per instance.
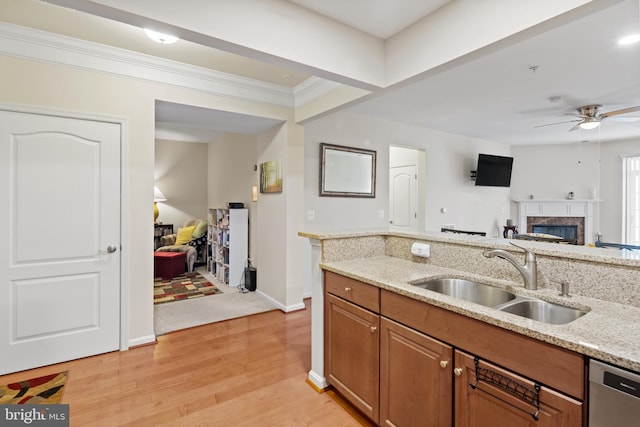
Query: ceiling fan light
(630, 39)
(589, 124)
(159, 37)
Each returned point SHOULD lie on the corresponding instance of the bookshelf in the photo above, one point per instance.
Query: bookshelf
(159, 231)
(228, 244)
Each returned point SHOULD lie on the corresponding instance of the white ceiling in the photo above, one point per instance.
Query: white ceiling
(380, 18)
(494, 96)
(179, 122)
(500, 97)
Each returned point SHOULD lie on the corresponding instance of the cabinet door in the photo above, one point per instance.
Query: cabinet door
(494, 402)
(415, 378)
(352, 353)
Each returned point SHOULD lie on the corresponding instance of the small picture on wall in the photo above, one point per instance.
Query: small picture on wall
(270, 177)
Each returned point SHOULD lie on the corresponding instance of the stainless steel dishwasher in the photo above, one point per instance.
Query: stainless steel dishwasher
(614, 396)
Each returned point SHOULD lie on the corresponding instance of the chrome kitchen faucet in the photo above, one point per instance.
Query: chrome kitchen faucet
(528, 270)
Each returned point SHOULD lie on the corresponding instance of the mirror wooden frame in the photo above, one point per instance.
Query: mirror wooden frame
(347, 171)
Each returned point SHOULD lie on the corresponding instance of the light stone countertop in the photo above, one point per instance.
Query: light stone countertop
(609, 331)
(584, 253)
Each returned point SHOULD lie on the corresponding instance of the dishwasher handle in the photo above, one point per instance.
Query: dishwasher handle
(615, 378)
(622, 384)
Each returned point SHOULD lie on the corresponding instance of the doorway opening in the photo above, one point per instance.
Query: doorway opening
(406, 188)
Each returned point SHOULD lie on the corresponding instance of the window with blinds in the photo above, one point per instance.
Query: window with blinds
(631, 200)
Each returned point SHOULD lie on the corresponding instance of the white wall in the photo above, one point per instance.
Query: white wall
(449, 158)
(552, 171)
(181, 175)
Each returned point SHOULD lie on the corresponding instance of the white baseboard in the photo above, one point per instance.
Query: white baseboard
(285, 308)
(142, 340)
(317, 380)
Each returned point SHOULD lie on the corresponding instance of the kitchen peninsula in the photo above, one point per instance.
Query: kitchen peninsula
(604, 283)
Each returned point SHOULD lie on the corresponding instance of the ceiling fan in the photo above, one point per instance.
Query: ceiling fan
(590, 117)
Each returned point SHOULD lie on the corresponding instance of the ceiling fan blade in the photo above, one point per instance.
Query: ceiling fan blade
(623, 111)
(576, 127)
(624, 119)
(558, 123)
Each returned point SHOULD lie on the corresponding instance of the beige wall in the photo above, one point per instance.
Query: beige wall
(73, 89)
(231, 174)
(231, 158)
(181, 175)
(278, 219)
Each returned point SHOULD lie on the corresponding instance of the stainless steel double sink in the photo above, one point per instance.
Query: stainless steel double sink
(503, 300)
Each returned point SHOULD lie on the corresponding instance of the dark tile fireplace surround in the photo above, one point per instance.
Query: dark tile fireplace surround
(569, 228)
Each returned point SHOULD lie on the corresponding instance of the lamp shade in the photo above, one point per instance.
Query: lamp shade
(158, 196)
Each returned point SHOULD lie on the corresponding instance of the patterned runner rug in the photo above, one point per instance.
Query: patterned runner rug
(46, 390)
(185, 286)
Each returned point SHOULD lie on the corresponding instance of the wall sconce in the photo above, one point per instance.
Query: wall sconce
(254, 193)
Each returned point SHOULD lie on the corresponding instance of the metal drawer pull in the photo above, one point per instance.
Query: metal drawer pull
(373, 329)
(347, 290)
(444, 363)
(522, 392)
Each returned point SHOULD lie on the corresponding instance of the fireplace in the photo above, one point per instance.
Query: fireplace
(570, 219)
(567, 232)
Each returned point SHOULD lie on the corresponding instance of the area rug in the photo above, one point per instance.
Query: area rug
(46, 390)
(183, 287)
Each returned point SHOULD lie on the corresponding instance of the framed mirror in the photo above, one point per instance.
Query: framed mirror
(347, 171)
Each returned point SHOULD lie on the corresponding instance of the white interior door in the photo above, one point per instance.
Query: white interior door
(403, 197)
(60, 258)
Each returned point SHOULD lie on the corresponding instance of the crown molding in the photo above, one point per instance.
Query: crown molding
(52, 48)
(311, 89)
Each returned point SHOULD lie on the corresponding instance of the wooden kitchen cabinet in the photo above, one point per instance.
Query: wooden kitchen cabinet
(415, 378)
(403, 362)
(352, 353)
(487, 395)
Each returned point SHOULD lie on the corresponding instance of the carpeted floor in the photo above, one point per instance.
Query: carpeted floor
(193, 312)
(47, 389)
(186, 286)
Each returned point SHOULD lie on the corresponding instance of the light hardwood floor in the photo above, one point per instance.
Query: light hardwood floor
(249, 371)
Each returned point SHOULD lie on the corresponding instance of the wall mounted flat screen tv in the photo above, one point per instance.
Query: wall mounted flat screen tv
(494, 171)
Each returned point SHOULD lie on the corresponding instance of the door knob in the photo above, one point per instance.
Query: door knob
(110, 249)
(444, 363)
(373, 329)
(457, 372)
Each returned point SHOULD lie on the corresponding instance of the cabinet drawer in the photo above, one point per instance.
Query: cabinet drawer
(359, 293)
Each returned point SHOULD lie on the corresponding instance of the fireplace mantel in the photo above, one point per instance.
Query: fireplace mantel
(582, 208)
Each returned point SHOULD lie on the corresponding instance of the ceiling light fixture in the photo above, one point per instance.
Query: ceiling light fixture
(159, 37)
(589, 123)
